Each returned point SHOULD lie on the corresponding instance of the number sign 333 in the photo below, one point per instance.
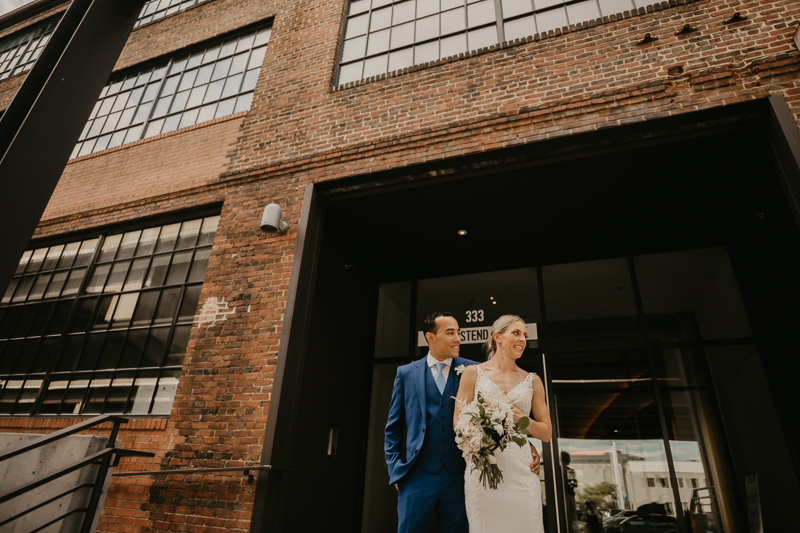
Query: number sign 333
(476, 315)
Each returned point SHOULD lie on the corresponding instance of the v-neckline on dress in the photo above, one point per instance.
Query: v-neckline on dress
(512, 389)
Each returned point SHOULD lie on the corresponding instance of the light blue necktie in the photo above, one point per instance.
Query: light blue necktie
(440, 377)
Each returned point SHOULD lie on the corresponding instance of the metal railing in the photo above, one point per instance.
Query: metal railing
(244, 469)
(104, 459)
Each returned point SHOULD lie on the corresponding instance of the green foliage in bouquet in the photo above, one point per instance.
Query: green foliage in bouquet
(485, 428)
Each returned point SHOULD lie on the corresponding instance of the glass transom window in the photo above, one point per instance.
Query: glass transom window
(101, 325)
(212, 82)
(19, 52)
(383, 36)
(156, 9)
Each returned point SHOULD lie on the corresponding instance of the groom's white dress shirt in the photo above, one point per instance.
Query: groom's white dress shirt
(432, 365)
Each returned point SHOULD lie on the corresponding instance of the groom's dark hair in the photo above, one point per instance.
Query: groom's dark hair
(429, 324)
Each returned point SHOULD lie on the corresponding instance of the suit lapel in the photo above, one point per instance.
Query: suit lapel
(419, 381)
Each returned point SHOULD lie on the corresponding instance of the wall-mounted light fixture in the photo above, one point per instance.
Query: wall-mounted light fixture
(271, 220)
(796, 37)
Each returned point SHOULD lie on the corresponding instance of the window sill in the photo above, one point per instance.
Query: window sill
(520, 41)
(158, 137)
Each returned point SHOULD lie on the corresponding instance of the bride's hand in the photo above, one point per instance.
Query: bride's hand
(517, 413)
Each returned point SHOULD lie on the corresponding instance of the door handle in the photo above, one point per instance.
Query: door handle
(333, 436)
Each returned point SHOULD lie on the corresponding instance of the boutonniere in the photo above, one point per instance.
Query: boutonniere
(460, 369)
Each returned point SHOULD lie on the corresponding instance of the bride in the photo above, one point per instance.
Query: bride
(516, 505)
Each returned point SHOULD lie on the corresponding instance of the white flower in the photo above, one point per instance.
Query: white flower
(460, 369)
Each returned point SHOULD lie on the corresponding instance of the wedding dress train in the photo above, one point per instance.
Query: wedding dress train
(516, 505)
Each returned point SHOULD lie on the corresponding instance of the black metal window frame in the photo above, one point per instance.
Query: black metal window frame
(100, 325)
(155, 10)
(373, 44)
(19, 51)
(211, 80)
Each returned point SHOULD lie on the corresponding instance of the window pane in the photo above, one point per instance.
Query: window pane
(145, 308)
(69, 254)
(189, 305)
(52, 257)
(583, 11)
(457, 44)
(375, 66)
(155, 348)
(117, 277)
(178, 346)
(378, 42)
(453, 21)
(551, 20)
(98, 280)
(482, 38)
(519, 28)
(132, 350)
(165, 393)
(425, 53)
(167, 306)
(91, 351)
(481, 13)
(427, 28)
(403, 12)
(512, 8)
(181, 262)
(402, 35)
(357, 26)
(400, 60)
(169, 235)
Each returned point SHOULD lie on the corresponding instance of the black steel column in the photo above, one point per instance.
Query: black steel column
(41, 126)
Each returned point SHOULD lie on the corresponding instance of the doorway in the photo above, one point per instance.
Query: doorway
(627, 348)
(659, 278)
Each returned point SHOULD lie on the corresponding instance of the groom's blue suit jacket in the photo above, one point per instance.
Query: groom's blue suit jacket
(407, 416)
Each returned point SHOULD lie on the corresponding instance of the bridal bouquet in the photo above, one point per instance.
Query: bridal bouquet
(482, 429)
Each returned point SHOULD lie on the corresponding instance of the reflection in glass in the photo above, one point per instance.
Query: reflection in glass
(611, 447)
(694, 290)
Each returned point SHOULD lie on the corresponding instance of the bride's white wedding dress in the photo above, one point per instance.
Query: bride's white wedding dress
(516, 505)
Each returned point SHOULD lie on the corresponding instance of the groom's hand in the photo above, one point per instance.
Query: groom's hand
(536, 460)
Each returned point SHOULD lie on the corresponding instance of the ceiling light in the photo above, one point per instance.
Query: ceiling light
(462, 232)
(494, 302)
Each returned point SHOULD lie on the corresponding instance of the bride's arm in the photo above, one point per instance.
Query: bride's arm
(540, 426)
(466, 390)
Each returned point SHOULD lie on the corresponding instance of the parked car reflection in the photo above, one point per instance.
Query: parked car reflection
(641, 523)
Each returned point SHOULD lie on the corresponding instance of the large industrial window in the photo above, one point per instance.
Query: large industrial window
(383, 36)
(101, 325)
(210, 82)
(19, 52)
(156, 9)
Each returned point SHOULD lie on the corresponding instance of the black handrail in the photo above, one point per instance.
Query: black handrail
(245, 469)
(51, 500)
(61, 433)
(105, 458)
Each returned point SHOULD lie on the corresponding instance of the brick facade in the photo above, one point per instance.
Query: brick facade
(301, 129)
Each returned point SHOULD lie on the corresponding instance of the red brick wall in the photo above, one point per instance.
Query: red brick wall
(175, 161)
(191, 26)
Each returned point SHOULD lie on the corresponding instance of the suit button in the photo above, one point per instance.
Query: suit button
(442, 418)
(444, 442)
(415, 450)
(423, 430)
(443, 430)
(443, 453)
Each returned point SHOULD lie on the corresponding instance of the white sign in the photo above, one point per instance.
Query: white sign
(478, 335)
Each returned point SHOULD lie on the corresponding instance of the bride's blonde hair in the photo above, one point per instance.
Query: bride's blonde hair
(499, 326)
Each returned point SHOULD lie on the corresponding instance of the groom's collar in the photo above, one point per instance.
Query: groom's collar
(431, 361)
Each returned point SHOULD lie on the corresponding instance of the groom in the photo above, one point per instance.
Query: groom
(428, 471)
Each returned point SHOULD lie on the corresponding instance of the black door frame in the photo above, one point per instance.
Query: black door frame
(282, 423)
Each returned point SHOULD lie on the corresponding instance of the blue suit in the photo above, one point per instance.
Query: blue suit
(421, 452)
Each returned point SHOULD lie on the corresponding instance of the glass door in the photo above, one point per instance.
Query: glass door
(637, 355)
